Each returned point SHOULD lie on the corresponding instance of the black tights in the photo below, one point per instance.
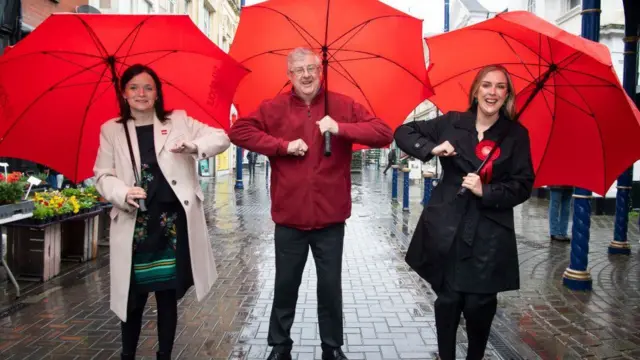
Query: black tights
(167, 321)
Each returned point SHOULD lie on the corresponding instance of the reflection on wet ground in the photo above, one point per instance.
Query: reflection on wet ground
(388, 309)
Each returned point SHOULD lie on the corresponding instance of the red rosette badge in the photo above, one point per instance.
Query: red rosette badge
(482, 151)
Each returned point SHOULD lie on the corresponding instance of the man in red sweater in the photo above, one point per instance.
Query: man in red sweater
(310, 192)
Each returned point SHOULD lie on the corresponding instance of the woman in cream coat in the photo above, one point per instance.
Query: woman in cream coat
(164, 248)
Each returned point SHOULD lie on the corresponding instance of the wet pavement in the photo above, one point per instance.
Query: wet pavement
(388, 309)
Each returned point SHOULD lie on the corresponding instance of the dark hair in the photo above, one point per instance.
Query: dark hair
(127, 75)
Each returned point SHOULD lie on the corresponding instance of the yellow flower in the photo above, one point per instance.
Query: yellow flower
(74, 202)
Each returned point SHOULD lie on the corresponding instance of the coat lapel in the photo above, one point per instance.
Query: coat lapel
(162, 132)
(465, 145)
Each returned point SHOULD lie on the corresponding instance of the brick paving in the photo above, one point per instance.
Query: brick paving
(388, 309)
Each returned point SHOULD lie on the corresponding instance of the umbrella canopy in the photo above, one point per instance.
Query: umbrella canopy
(57, 85)
(580, 120)
(375, 53)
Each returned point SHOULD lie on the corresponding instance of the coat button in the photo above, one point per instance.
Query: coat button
(174, 182)
(186, 202)
(204, 155)
(417, 145)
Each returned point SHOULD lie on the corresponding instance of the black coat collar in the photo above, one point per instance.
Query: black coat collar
(467, 121)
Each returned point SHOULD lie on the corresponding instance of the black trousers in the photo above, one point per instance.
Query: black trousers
(478, 310)
(167, 321)
(292, 250)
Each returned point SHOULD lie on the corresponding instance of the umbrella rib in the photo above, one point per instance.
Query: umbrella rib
(268, 52)
(160, 58)
(593, 116)
(553, 124)
(480, 67)
(363, 24)
(514, 39)
(96, 40)
(389, 60)
(82, 84)
(355, 84)
(347, 77)
(54, 86)
(588, 75)
(283, 86)
(70, 62)
(291, 21)
(556, 96)
(539, 52)
(559, 63)
(18, 57)
(360, 28)
(135, 30)
(550, 49)
(356, 59)
(84, 119)
(518, 56)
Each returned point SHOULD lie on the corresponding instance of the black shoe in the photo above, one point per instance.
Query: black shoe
(334, 354)
(124, 356)
(279, 355)
(163, 356)
(560, 238)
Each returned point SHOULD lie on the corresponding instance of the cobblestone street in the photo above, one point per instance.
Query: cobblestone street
(388, 309)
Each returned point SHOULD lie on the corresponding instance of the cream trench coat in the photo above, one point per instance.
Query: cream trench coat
(114, 175)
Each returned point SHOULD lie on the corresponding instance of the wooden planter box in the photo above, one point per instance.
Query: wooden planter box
(34, 252)
(38, 249)
(80, 239)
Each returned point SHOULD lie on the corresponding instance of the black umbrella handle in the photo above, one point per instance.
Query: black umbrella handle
(327, 143)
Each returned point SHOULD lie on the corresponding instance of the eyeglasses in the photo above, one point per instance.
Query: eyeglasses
(311, 69)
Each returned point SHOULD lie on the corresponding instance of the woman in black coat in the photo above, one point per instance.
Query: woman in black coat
(465, 244)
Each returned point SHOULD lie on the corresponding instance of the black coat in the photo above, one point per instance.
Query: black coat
(467, 240)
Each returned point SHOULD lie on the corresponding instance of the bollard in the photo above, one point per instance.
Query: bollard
(428, 187)
(577, 276)
(394, 182)
(405, 190)
(239, 184)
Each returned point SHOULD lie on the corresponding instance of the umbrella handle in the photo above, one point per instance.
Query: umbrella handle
(327, 143)
(142, 205)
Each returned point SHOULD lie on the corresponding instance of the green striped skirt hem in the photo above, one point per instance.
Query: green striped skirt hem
(160, 270)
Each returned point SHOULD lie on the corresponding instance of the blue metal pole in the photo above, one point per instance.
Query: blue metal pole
(620, 243)
(577, 276)
(239, 155)
(394, 183)
(405, 189)
(428, 187)
(446, 15)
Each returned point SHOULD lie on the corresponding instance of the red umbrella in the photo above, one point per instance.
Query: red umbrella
(375, 53)
(56, 85)
(580, 120)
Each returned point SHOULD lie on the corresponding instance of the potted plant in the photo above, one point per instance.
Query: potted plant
(11, 191)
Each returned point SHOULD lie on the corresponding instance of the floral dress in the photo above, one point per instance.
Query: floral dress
(161, 258)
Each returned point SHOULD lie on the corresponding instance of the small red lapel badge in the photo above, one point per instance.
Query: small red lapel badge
(163, 131)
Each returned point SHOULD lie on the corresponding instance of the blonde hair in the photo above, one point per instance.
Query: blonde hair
(509, 106)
